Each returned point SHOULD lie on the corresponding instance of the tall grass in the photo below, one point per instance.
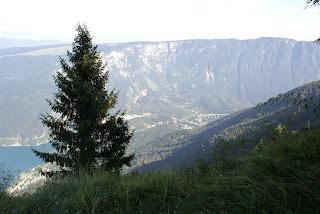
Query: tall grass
(281, 175)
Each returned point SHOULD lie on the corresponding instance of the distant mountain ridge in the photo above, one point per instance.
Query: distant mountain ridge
(164, 86)
(14, 43)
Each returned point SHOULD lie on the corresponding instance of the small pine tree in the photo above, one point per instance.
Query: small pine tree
(83, 131)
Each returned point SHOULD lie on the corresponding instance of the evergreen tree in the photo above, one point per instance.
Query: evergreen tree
(84, 132)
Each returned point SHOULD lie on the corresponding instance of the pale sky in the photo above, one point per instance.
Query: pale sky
(159, 20)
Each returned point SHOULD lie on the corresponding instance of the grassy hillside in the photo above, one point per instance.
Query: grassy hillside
(296, 109)
(280, 175)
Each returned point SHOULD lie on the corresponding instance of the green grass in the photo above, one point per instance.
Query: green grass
(281, 175)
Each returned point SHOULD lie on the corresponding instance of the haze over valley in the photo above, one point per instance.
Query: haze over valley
(186, 83)
(171, 106)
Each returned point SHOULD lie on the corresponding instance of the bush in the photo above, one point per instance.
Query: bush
(6, 176)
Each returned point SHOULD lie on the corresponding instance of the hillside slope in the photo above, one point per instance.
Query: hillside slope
(238, 132)
(180, 149)
(280, 176)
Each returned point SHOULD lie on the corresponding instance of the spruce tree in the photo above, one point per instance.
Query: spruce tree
(83, 130)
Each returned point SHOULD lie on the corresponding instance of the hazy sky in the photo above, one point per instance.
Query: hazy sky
(132, 20)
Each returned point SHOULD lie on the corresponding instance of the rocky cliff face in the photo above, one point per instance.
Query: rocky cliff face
(218, 76)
